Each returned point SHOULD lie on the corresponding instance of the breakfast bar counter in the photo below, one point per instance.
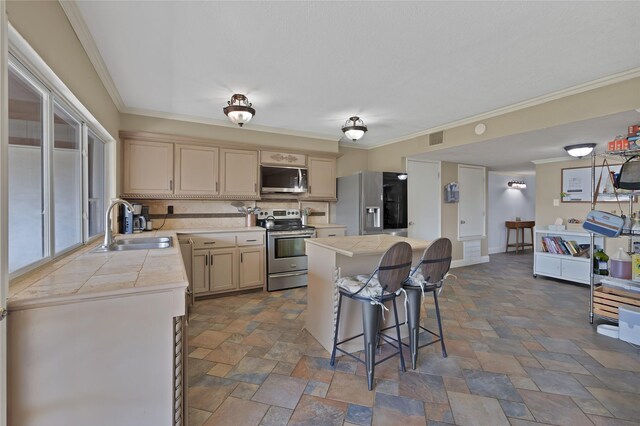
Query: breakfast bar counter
(332, 258)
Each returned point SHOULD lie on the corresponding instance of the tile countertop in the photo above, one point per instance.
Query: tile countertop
(365, 245)
(83, 275)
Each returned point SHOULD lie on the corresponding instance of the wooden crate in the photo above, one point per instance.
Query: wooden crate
(607, 301)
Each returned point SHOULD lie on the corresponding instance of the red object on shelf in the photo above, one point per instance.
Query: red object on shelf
(633, 129)
(611, 146)
(618, 145)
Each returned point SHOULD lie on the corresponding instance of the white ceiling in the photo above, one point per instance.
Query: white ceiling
(404, 67)
(514, 154)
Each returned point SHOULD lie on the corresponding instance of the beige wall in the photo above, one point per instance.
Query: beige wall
(45, 27)
(548, 188)
(212, 132)
(619, 97)
(351, 160)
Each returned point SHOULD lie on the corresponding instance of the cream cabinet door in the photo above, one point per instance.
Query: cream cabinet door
(148, 167)
(251, 267)
(239, 172)
(322, 178)
(196, 169)
(223, 269)
(200, 271)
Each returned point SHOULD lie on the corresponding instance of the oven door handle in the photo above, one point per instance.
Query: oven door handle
(287, 274)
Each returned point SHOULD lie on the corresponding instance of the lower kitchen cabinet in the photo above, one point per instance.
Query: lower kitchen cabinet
(237, 266)
(223, 269)
(324, 232)
(251, 267)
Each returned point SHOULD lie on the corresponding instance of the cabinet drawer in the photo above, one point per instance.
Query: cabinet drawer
(251, 239)
(214, 241)
(548, 265)
(331, 232)
(574, 269)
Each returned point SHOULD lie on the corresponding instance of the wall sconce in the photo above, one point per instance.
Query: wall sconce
(516, 184)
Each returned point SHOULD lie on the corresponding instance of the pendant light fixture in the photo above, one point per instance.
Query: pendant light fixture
(239, 110)
(580, 150)
(354, 128)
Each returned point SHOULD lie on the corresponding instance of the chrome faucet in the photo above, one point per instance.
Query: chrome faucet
(108, 236)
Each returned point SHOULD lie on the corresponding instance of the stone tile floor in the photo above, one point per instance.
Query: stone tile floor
(521, 351)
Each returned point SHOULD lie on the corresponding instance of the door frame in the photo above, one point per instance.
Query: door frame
(4, 260)
(439, 165)
(484, 196)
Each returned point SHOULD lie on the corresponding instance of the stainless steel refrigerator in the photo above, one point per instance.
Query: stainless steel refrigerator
(361, 205)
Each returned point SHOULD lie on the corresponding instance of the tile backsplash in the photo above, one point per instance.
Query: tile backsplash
(221, 214)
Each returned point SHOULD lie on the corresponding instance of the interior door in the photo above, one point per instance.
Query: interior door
(4, 261)
(472, 205)
(424, 203)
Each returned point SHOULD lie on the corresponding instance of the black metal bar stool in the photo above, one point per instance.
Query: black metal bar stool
(428, 276)
(372, 291)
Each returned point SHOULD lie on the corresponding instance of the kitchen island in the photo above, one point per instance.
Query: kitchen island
(332, 258)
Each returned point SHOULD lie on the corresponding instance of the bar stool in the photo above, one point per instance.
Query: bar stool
(428, 276)
(372, 291)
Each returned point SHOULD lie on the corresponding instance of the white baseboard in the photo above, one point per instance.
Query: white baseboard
(494, 250)
(466, 262)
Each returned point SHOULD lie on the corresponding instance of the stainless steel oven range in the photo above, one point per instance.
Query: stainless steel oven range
(286, 257)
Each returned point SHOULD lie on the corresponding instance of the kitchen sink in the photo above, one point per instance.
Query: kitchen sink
(138, 244)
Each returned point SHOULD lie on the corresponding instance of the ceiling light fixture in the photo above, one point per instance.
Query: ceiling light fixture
(239, 110)
(580, 150)
(516, 184)
(354, 128)
(403, 176)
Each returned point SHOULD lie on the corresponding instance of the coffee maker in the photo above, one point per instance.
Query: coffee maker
(125, 220)
(133, 222)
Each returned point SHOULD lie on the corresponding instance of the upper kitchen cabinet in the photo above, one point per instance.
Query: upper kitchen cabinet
(239, 173)
(148, 167)
(322, 178)
(196, 170)
(282, 159)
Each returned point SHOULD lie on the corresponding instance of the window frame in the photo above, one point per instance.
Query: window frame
(24, 61)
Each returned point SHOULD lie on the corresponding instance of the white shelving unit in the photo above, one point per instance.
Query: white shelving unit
(562, 266)
(601, 303)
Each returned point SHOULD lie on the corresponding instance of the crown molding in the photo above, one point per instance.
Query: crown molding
(78, 24)
(575, 90)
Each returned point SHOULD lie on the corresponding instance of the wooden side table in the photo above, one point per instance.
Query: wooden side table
(519, 226)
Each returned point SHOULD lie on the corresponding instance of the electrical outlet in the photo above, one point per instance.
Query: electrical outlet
(169, 209)
(556, 202)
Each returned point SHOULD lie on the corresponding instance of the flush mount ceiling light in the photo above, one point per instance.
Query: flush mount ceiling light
(354, 128)
(516, 184)
(580, 150)
(239, 110)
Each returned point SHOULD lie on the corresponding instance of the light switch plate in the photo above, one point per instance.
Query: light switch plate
(556, 202)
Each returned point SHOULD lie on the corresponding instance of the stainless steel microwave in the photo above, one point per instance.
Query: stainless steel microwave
(283, 179)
